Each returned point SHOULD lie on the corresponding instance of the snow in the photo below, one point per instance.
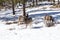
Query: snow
(37, 31)
(51, 33)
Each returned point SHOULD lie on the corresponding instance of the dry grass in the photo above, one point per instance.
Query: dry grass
(55, 6)
(44, 7)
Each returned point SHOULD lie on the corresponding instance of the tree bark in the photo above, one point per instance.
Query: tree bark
(53, 2)
(36, 2)
(24, 13)
(33, 3)
(58, 2)
(13, 7)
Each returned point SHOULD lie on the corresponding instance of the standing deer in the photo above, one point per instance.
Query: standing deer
(26, 20)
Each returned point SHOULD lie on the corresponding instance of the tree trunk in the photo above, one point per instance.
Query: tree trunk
(36, 2)
(58, 2)
(33, 3)
(24, 13)
(53, 2)
(13, 7)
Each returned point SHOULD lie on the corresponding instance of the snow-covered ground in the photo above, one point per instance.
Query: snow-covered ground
(37, 31)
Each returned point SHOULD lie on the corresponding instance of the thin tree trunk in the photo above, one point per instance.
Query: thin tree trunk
(24, 13)
(36, 2)
(53, 2)
(33, 3)
(13, 7)
(58, 2)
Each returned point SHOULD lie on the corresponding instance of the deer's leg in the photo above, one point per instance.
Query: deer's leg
(30, 24)
(18, 23)
(26, 25)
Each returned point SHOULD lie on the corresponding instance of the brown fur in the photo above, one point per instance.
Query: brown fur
(20, 20)
(25, 20)
(28, 21)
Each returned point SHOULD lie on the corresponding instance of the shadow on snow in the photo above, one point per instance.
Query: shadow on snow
(13, 18)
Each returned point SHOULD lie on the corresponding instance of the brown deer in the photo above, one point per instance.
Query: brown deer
(48, 21)
(26, 20)
(20, 20)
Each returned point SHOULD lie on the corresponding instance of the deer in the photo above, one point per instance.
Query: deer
(26, 20)
(49, 20)
(20, 20)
